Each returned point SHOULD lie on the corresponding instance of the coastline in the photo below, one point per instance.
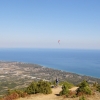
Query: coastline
(19, 75)
(2, 61)
(83, 62)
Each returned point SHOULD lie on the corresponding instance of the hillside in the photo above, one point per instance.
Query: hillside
(19, 75)
(54, 96)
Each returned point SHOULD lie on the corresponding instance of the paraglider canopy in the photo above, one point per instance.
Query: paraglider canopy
(59, 41)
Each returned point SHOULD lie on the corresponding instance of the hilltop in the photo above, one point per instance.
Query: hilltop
(55, 96)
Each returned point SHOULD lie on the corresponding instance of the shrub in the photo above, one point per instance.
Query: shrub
(32, 88)
(14, 94)
(82, 98)
(65, 90)
(39, 87)
(84, 88)
(98, 88)
(84, 84)
(44, 87)
(69, 85)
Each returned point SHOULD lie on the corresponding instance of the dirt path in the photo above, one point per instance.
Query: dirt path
(53, 96)
(74, 88)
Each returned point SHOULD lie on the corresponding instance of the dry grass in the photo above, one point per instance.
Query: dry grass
(55, 96)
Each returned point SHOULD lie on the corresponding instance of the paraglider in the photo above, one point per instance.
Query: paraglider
(59, 41)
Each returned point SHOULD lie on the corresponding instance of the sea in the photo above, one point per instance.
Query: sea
(83, 62)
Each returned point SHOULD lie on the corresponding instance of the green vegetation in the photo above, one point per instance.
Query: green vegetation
(65, 90)
(20, 93)
(84, 88)
(82, 98)
(16, 75)
(98, 87)
(39, 87)
(14, 94)
(69, 85)
(45, 88)
(5, 85)
(32, 88)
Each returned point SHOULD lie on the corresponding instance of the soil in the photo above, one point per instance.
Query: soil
(55, 96)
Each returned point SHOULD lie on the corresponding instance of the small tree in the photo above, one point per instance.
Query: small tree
(44, 87)
(32, 88)
(39, 87)
(82, 98)
(69, 85)
(84, 88)
(65, 90)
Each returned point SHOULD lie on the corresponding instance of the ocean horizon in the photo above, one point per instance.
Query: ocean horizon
(83, 62)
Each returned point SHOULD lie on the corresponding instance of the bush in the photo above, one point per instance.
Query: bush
(69, 85)
(14, 94)
(82, 98)
(32, 88)
(84, 84)
(44, 87)
(65, 90)
(39, 87)
(84, 88)
(98, 88)
(11, 96)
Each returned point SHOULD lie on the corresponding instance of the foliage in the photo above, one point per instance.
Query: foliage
(14, 94)
(84, 88)
(82, 98)
(20, 93)
(44, 87)
(98, 88)
(83, 84)
(69, 85)
(32, 88)
(39, 87)
(65, 90)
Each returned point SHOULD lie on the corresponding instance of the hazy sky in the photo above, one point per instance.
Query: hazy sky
(41, 23)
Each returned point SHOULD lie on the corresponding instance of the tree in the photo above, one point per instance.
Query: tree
(69, 85)
(32, 88)
(39, 87)
(44, 87)
(84, 88)
(65, 90)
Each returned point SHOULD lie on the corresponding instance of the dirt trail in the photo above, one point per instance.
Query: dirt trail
(53, 96)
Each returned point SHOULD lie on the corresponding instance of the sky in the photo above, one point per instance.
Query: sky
(41, 23)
